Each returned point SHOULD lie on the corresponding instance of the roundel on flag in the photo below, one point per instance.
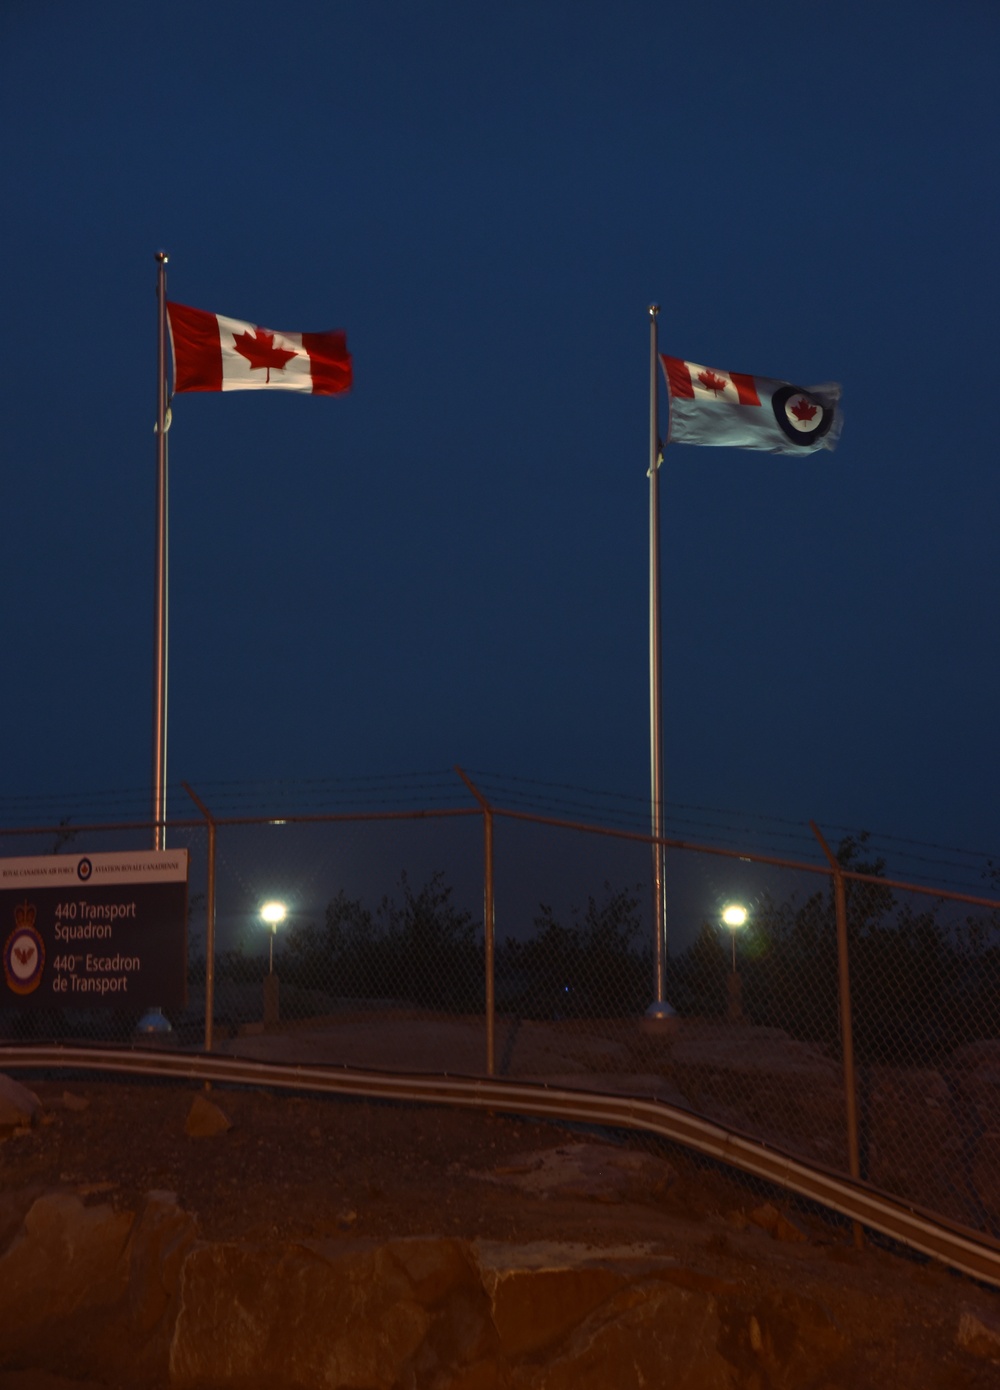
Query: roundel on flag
(801, 417)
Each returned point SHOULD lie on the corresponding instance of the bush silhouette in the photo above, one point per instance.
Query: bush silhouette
(421, 949)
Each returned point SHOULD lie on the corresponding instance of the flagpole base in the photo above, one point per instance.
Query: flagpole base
(660, 1020)
(153, 1023)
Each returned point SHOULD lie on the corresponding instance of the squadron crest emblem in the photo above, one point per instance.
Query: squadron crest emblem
(24, 952)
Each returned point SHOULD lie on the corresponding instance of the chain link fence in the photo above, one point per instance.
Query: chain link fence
(850, 1019)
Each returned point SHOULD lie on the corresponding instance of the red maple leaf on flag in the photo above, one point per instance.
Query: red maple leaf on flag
(259, 350)
(802, 410)
(712, 381)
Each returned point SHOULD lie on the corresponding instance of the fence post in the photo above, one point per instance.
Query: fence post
(846, 1024)
(489, 935)
(209, 920)
(488, 939)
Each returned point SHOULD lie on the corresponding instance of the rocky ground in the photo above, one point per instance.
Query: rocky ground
(156, 1234)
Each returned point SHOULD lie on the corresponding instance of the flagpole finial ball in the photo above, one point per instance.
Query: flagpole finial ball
(654, 309)
(162, 257)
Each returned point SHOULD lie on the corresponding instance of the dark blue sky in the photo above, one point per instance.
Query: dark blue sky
(449, 565)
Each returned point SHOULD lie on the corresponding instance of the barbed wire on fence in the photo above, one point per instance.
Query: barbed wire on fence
(924, 861)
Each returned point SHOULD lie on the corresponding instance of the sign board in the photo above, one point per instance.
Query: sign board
(92, 930)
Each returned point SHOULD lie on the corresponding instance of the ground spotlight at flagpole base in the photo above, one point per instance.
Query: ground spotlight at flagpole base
(154, 1023)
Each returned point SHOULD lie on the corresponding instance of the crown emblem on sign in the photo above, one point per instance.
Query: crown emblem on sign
(24, 914)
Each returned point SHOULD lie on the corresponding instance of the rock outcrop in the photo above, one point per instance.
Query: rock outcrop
(205, 1119)
(18, 1105)
(140, 1299)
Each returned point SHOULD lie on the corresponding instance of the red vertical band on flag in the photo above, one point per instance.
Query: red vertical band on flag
(745, 388)
(678, 377)
(194, 338)
(329, 361)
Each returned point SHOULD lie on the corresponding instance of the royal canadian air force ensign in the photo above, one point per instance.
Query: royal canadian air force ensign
(749, 412)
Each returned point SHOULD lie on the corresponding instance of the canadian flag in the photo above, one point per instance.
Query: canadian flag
(689, 381)
(215, 353)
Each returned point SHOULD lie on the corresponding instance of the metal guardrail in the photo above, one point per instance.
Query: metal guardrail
(920, 1230)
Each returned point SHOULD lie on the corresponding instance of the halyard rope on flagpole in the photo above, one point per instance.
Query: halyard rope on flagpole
(159, 777)
(659, 1008)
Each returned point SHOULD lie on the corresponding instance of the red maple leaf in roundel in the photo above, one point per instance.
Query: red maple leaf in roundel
(259, 350)
(712, 381)
(803, 410)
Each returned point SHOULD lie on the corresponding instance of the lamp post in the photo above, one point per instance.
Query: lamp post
(734, 917)
(273, 914)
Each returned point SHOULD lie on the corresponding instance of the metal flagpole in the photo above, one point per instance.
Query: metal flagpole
(659, 1008)
(160, 585)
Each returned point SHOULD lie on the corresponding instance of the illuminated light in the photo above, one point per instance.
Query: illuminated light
(735, 916)
(273, 913)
